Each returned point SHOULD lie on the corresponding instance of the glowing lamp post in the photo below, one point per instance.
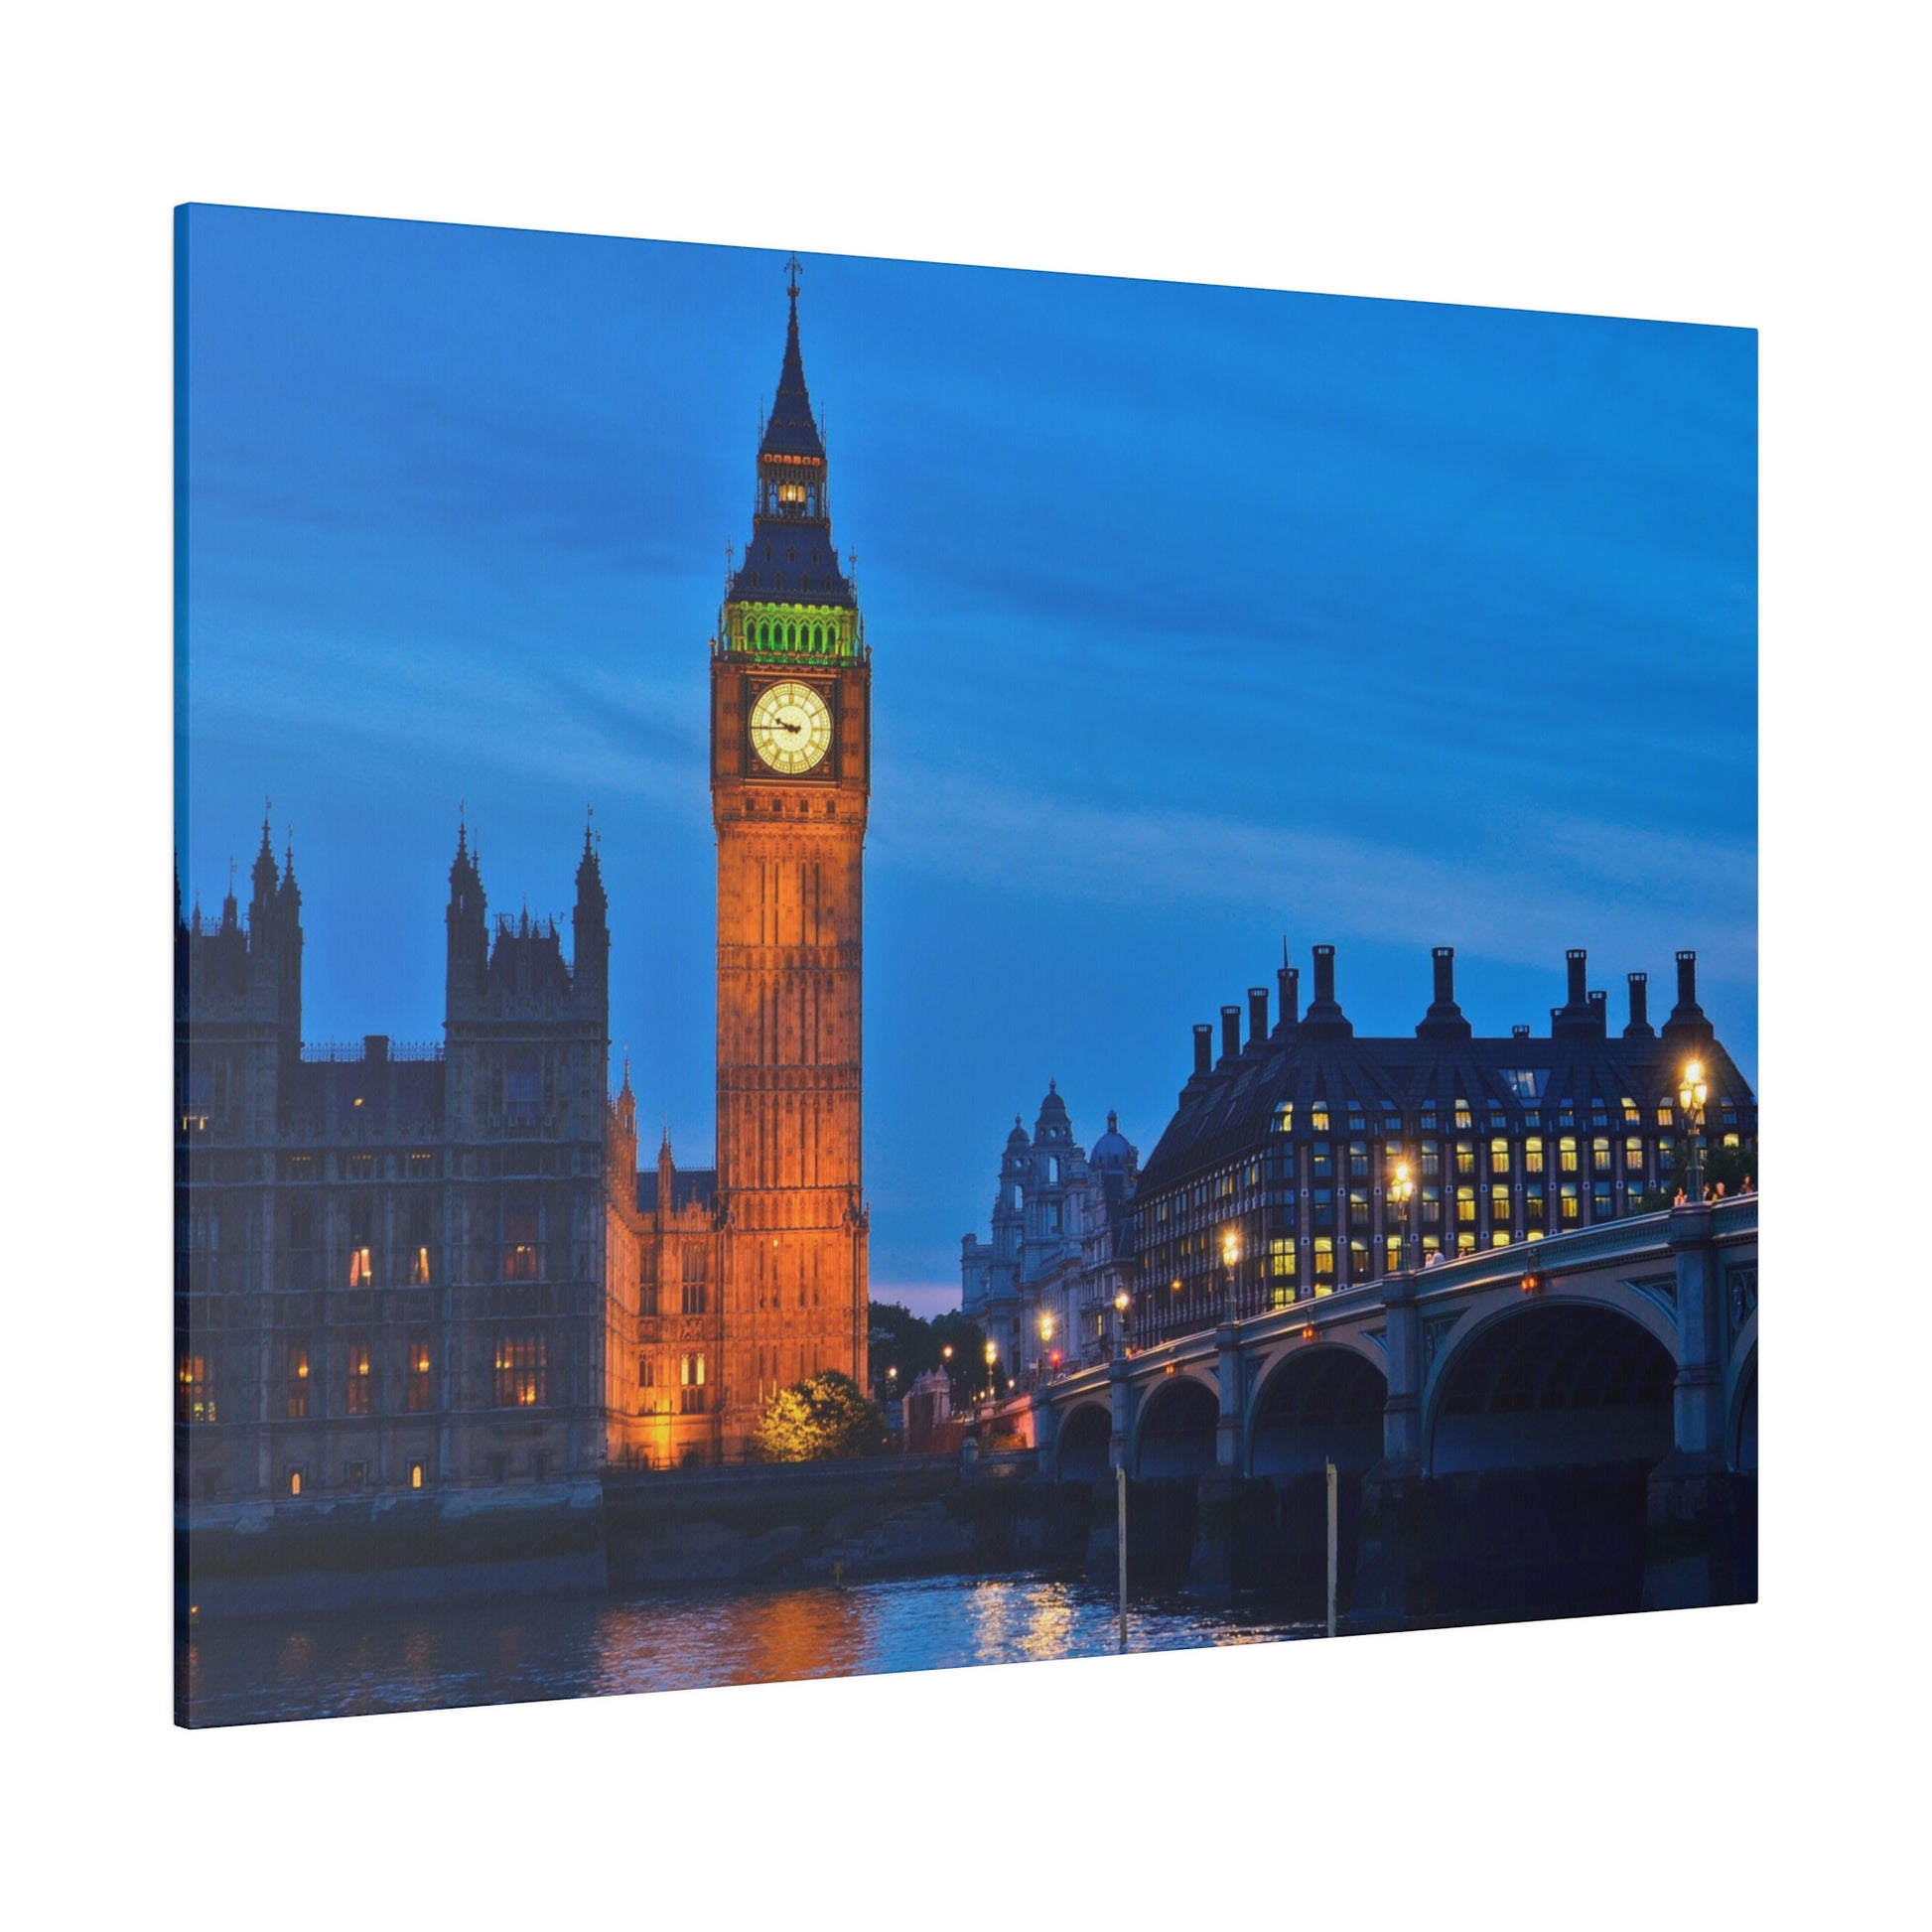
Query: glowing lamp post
(1230, 1259)
(1045, 1338)
(1402, 1190)
(992, 1356)
(1692, 1092)
(1120, 1323)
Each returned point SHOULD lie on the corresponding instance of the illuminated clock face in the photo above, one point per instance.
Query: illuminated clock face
(792, 730)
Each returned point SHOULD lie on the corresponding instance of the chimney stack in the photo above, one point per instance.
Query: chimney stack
(1324, 976)
(1203, 1048)
(1289, 980)
(1686, 1021)
(1639, 1026)
(1520, 1030)
(1599, 1010)
(1443, 1020)
(1230, 1031)
(1575, 1014)
(1256, 1015)
(1577, 957)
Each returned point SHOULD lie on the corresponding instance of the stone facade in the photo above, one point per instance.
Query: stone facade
(1043, 1286)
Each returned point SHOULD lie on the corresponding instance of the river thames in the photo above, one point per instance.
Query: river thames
(264, 1670)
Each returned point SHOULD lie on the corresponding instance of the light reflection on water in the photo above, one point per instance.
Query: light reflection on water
(338, 1664)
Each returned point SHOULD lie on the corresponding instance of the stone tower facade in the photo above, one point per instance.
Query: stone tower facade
(790, 780)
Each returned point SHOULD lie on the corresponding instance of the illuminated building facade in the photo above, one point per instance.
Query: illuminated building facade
(402, 1268)
(1293, 1140)
(389, 1260)
(1060, 1247)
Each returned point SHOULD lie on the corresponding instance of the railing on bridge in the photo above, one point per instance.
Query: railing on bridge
(1164, 1315)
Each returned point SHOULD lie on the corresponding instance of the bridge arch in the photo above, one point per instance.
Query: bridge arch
(1314, 1404)
(1540, 1382)
(1085, 1436)
(1741, 1421)
(1173, 1434)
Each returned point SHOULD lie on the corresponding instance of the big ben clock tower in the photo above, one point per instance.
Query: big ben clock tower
(790, 776)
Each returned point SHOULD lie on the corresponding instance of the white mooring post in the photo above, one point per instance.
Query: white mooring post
(1331, 1549)
(1120, 1476)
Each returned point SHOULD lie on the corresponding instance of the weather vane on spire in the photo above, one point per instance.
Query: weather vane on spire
(793, 269)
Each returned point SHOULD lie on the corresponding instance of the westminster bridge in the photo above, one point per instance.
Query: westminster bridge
(1565, 1425)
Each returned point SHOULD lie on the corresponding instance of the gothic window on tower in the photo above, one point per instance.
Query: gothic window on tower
(693, 1286)
(522, 1371)
(522, 1096)
(691, 1385)
(522, 1260)
(421, 1213)
(362, 1273)
(359, 1378)
(193, 1389)
(647, 1282)
(418, 1396)
(297, 1392)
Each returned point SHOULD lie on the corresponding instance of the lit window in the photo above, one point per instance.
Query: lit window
(1664, 1115)
(1466, 1157)
(1600, 1157)
(1633, 1155)
(522, 1365)
(1358, 1261)
(646, 1371)
(1465, 1206)
(359, 1378)
(520, 1237)
(1325, 1264)
(1466, 1241)
(1499, 1237)
(1461, 1111)
(419, 1268)
(1732, 1139)
(361, 1273)
(415, 1476)
(1498, 1157)
(193, 1389)
(691, 1385)
(1280, 1257)
(1499, 1207)
(417, 1392)
(1319, 1117)
(1571, 1208)
(295, 1480)
(1532, 1155)
(298, 1381)
(1567, 1156)
(1284, 1118)
(1632, 1116)
(1392, 1254)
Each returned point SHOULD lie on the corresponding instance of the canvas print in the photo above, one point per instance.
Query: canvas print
(881, 966)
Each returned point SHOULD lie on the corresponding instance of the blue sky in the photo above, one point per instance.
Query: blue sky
(1200, 618)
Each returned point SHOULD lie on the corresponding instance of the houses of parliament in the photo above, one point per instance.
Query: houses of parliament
(443, 1267)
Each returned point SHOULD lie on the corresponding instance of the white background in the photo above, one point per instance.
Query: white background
(1692, 162)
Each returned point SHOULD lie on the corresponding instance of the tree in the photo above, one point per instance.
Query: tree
(824, 1416)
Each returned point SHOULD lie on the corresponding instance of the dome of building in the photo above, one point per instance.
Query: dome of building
(1053, 1122)
(1017, 1138)
(1113, 1149)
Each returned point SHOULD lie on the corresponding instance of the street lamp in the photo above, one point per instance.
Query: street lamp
(992, 1356)
(1046, 1336)
(1120, 1323)
(1231, 1256)
(1692, 1092)
(1402, 1190)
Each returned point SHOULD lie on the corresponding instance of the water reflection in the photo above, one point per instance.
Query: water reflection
(339, 1665)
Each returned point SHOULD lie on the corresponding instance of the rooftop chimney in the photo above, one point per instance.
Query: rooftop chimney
(1289, 980)
(1520, 1032)
(1599, 1010)
(1204, 1047)
(1686, 1019)
(1639, 1026)
(1324, 1015)
(1573, 1016)
(1256, 1015)
(376, 1048)
(1230, 1031)
(1443, 1020)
